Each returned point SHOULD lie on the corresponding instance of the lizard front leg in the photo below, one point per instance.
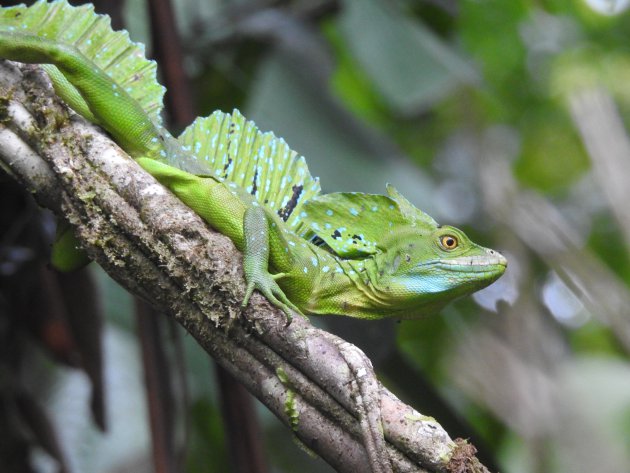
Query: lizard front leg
(216, 204)
(256, 263)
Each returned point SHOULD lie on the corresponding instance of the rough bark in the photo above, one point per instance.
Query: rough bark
(159, 249)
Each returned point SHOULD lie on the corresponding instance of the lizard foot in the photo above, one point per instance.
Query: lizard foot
(266, 284)
(256, 261)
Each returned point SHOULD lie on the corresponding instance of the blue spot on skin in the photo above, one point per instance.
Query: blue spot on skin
(314, 260)
(305, 270)
(325, 269)
(375, 209)
(354, 211)
(329, 213)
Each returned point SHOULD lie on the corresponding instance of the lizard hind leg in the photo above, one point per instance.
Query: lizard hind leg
(99, 72)
(256, 262)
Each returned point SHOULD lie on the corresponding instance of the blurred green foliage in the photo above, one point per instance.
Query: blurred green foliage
(422, 94)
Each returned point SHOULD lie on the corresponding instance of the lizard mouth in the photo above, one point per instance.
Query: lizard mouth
(481, 261)
(493, 262)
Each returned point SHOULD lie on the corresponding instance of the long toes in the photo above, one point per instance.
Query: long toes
(272, 291)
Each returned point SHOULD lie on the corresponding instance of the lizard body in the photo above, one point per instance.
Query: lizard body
(361, 255)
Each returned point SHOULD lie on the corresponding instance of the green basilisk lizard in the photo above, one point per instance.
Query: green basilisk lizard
(361, 255)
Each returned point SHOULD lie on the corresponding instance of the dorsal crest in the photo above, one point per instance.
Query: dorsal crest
(230, 148)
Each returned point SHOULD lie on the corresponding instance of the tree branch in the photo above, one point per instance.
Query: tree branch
(157, 248)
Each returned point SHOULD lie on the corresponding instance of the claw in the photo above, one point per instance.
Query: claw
(266, 285)
(248, 294)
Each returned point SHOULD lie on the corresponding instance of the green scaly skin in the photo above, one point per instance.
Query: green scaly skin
(404, 268)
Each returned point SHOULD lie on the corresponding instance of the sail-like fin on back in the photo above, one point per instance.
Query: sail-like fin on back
(231, 148)
(112, 51)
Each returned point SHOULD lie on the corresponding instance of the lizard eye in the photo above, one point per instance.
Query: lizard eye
(448, 242)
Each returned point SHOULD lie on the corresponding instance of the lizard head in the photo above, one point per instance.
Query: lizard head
(424, 269)
(410, 265)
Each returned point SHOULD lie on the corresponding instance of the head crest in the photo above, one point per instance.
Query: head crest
(410, 212)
